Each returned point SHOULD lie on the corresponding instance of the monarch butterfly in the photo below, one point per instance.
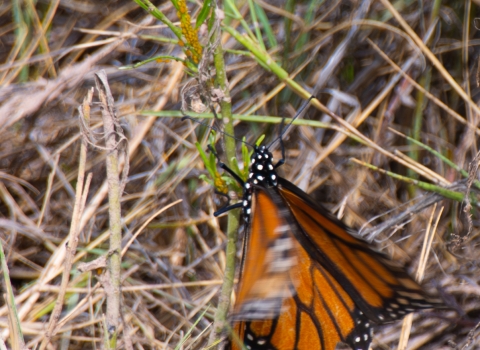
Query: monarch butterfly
(306, 282)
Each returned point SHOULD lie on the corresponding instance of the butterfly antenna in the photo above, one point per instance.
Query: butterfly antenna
(283, 130)
(214, 112)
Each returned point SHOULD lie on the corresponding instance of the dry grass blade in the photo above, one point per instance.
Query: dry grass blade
(427, 244)
(114, 140)
(382, 67)
(80, 198)
(17, 340)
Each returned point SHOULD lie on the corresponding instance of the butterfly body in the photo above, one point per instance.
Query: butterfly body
(306, 281)
(262, 173)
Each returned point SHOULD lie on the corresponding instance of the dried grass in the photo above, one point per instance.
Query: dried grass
(173, 269)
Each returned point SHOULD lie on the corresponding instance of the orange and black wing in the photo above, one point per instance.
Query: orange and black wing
(269, 255)
(337, 288)
(382, 290)
(319, 316)
(301, 305)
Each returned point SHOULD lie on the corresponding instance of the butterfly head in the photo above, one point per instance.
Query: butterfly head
(262, 173)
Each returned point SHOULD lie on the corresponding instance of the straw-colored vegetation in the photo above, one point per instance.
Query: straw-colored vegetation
(381, 70)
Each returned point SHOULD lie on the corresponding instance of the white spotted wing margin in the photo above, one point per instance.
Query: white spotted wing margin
(361, 336)
(269, 257)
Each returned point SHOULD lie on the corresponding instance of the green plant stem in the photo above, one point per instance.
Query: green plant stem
(456, 196)
(150, 8)
(258, 32)
(417, 125)
(232, 224)
(245, 118)
(440, 156)
(289, 7)
(230, 4)
(265, 60)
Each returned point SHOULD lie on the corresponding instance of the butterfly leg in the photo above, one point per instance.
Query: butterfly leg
(235, 176)
(228, 206)
(226, 168)
(223, 195)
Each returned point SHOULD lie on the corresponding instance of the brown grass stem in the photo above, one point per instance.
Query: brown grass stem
(80, 197)
(113, 140)
(426, 247)
(426, 51)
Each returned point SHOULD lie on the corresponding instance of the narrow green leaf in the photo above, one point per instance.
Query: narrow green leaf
(258, 32)
(236, 167)
(10, 301)
(156, 58)
(455, 195)
(204, 12)
(205, 160)
(191, 329)
(246, 159)
(260, 140)
(150, 8)
(175, 4)
(205, 178)
(272, 41)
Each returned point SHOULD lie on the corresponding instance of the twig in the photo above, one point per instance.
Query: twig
(111, 278)
(84, 112)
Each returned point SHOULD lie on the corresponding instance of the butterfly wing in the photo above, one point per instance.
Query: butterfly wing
(335, 285)
(301, 305)
(381, 289)
(306, 281)
(269, 255)
(318, 316)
